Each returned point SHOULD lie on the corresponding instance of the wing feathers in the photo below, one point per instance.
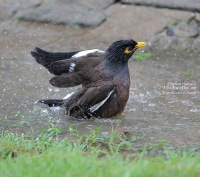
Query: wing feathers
(86, 101)
(98, 105)
(47, 58)
(66, 80)
(69, 71)
(63, 66)
(60, 55)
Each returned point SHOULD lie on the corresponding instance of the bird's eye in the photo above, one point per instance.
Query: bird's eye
(128, 49)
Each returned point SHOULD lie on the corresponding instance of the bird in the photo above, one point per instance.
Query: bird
(104, 76)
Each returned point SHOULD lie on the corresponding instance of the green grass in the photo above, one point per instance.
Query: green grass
(184, 22)
(142, 56)
(76, 26)
(159, 95)
(171, 25)
(65, 37)
(47, 1)
(190, 74)
(92, 155)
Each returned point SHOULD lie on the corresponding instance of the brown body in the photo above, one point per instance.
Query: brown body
(97, 81)
(104, 77)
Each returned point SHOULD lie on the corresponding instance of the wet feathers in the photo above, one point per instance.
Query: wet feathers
(104, 77)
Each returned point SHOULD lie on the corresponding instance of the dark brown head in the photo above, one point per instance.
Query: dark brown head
(121, 51)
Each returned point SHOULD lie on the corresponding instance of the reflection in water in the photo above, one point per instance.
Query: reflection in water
(153, 109)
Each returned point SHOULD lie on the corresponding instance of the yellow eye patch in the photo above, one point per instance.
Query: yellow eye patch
(128, 51)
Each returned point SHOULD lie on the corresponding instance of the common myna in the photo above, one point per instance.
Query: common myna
(104, 76)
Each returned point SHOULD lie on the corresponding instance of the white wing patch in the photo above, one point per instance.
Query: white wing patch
(98, 105)
(85, 52)
(68, 95)
(71, 67)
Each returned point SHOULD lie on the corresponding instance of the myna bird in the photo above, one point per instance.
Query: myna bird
(104, 76)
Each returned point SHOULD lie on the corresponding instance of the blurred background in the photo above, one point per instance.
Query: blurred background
(164, 100)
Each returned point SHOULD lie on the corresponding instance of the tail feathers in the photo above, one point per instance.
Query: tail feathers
(46, 58)
(52, 102)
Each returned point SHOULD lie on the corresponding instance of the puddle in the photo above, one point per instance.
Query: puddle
(173, 116)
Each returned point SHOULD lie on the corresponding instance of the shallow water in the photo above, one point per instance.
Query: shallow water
(173, 116)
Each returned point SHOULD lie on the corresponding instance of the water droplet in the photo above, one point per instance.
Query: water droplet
(194, 110)
(151, 104)
(56, 90)
(105, 133)
(141, 94)
(50, 89)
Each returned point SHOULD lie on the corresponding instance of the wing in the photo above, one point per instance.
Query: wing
(77, 64)
(74, 71)
(47, 58)
(90, 100)
(66, 80)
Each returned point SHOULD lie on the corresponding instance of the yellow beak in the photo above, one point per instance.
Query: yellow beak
(140, 44)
